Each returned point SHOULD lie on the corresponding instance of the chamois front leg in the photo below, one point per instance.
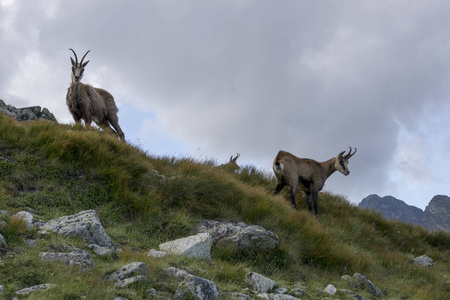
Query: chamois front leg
(308, 200)
(315, 196)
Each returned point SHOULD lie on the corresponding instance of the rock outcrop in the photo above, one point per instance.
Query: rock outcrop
(26, 113)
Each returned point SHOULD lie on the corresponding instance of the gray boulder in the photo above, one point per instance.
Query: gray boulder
(239, 236)
(84, 224)
(190, 286)
(196, 246)
(259, 283)
(134, 272)
(423, 261)
(76, 258)
(364, 282)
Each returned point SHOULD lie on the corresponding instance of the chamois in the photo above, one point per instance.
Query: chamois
(309, 174)
(89, 103)
(232, 165)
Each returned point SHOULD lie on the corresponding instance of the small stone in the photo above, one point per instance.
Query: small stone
(156, 253)
(330, 289)
(423, 261)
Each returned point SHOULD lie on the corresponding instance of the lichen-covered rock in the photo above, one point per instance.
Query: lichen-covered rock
(196, 246)
(239, 236)
(192, 286)
(131, 270)
(259, 283)
(76, 258)
(84, 224)
(423, 261)
(40, 287)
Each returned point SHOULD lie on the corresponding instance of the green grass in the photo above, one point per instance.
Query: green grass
(143, 201)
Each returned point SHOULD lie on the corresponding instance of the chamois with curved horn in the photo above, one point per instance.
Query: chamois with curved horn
(88, 103)
(232, 165)
(307, 174)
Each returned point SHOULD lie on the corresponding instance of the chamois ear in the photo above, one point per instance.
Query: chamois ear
(73, 62)
(84, 65)
(341, 154)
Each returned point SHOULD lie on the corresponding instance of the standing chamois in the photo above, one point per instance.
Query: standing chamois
(309, 174)
(89, 103)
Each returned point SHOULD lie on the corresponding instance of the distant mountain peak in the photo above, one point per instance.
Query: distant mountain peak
(435, 217)
(393, 208)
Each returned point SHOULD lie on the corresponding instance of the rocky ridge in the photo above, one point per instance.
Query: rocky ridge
(435, 217)
(26, 113)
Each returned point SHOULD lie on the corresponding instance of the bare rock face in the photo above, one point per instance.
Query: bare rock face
(239, 236)
(84, 224)
(437, 214)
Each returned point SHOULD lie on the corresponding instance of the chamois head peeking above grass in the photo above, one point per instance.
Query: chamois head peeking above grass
(88, 103)
(232, 165)
(307, 174)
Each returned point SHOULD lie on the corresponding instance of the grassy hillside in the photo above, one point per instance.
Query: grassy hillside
(60, 169)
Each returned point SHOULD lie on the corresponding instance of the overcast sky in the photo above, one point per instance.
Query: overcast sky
(206, 79)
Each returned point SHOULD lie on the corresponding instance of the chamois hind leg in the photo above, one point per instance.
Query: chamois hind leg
(114, 121)
(106, 127)
(292, 195)
(280, 185)
(308, 200)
